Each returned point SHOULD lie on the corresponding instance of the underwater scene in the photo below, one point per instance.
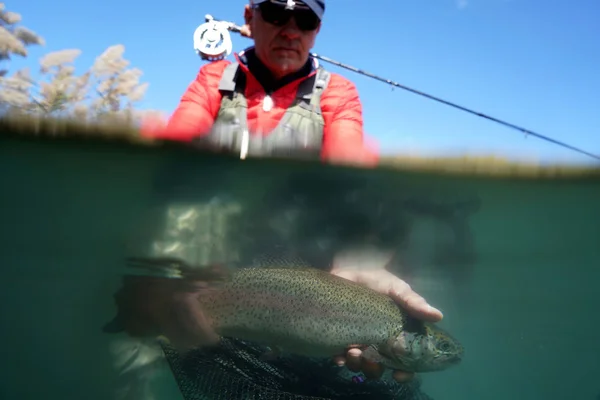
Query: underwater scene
(158, 272)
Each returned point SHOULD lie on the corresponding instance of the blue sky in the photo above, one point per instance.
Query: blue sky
(534, 63)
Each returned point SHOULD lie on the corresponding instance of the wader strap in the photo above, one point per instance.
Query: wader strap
(232, 84)
(229, 79)
(310, 90)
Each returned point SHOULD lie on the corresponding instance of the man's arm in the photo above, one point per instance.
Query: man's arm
(197, 109)
(344, 139)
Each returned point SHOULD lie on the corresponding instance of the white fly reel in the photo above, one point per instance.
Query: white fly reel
(212, 40)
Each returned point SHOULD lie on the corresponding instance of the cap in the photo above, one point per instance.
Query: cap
(317, 6)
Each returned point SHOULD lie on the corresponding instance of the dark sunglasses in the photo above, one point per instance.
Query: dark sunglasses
(277, 15)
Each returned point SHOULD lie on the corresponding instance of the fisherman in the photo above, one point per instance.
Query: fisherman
(275, 96)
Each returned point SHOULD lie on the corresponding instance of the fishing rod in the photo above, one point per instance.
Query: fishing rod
(212, 42)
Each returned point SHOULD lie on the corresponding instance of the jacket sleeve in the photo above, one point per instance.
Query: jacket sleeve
(198, 107)
(344, 139)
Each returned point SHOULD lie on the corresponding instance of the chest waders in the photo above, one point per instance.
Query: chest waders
(200, 233)
(298, 134)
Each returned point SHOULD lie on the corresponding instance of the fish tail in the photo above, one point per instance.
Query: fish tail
(140, 299)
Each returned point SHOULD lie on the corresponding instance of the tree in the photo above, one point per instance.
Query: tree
(117, 87)
(107, 92)
(14, 39)
(59, 92)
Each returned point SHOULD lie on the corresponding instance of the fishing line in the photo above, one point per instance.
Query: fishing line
(212, 42)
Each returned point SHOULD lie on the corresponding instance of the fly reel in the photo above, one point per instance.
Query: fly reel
(212, 40)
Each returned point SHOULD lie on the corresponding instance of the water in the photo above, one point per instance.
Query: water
(512, 263)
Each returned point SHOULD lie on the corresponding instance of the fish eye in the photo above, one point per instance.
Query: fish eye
(445, 346)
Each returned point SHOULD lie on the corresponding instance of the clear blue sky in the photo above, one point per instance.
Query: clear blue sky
(534, 63)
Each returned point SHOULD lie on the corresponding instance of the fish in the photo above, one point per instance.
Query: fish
(310, 312)
(286, 304)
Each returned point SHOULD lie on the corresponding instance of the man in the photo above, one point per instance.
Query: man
(275, 97)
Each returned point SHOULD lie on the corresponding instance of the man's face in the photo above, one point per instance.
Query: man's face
(283, 43)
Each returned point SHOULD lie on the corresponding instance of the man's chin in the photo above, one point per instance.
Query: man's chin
(287, 66)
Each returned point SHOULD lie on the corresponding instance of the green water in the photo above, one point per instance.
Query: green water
(514, 264)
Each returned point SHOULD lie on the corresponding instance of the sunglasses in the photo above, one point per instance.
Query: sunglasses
(277, 15)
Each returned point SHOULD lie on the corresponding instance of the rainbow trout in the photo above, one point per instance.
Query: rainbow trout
(310, 312)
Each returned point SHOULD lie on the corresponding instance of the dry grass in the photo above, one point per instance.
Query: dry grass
(68, 128)
(490, 166)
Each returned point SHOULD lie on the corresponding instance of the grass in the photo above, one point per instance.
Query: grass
(488, 165)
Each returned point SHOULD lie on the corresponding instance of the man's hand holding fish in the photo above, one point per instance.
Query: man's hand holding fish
(177, 308)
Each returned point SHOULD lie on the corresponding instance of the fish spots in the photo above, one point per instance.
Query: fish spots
(309, 312)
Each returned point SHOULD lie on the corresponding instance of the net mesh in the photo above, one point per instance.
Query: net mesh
(235, 370)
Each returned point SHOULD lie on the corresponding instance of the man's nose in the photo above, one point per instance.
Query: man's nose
(291, 30)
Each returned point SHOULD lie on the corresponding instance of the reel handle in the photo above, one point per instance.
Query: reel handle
(232, 27)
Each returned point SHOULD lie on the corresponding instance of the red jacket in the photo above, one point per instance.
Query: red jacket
(340, 105)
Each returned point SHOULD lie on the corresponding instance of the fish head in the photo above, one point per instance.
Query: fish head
(422, 347)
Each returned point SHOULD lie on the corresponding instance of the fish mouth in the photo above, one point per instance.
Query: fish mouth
(450, 359)
(444, 361)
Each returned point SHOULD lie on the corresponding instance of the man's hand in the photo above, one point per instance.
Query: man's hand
(245, 31)
(385, 282)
